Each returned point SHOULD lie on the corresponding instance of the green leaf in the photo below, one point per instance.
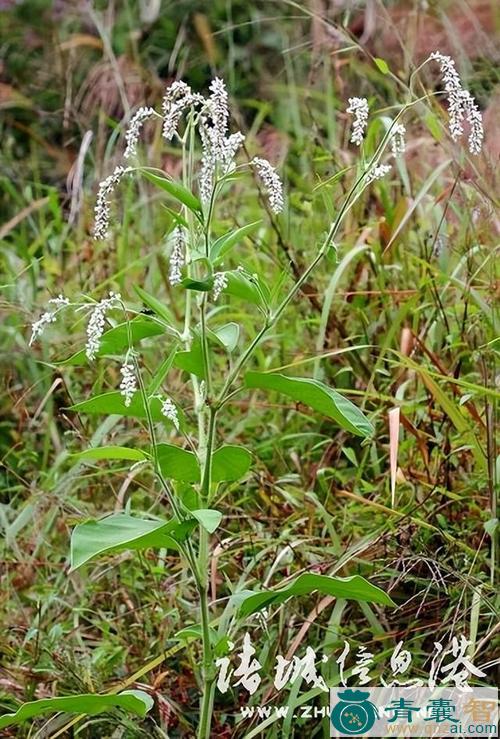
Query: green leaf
(230, 463)
(191, 361)
(351, 588)
(491, 526)
(121, 532)
(135, 701)
(202, 286)
(154, 304)
(315, 395)
(195, 632)
(225, 243)
(247, 287)
(162, 371)
(114, 404)
(115, 341)
(178, 464)
(208, 518)
(382, 65)
(433, 125)
(178, 217)
(350, 454)
(226, 335)
(111, 452)
(175, 189)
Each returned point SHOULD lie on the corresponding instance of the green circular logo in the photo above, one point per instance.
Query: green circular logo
(354, 713)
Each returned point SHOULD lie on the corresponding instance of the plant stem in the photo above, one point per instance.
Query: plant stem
(208, 666)
(272, 319)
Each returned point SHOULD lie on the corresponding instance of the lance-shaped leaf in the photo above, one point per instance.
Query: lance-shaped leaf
(178, 464)
(225, 243)
(230, 463)
(154, 304)
(201, 286)
(351, 588)
(248, 287)
(116, 340)
(316, 395)
(114, 404)
(110, 452)
(135, 701)
(175, 189)
(121, 532)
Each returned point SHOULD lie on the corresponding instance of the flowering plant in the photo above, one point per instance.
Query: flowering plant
(190, 461)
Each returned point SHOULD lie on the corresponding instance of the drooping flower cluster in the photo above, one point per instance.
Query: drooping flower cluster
(461, 104)
(358, 107)
(49, 316)
(101, 223)
(220, 283)
(377, 172)
(177, 257)
(475, 120)
(169, 410)
(219, 149)
(398, 143)
(97, 323)
(128, 385)
(178, 98)
(272, 183)
(134, 129)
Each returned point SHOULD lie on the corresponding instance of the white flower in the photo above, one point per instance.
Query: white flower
(134, 130)
(272, 183)
(97, 322)
(359, 108)
(220, 283)
(178, 97)
(101, 224)
(208, 162)
(169, 410)
(177, 258)
(219, 112)
(453, 87)
(398, 143)
(475, 120)
(59, 302)
(230, 149)
(218, 149)
(38, 327)
(128, 385)
(377, 172)
(461, 104)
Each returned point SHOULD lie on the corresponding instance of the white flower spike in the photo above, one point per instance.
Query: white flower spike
(49, 316)
(128, 385)
(220, 283)
(272, 183)
(177, 258)
(97, 323)
(461, 104)
(134, 130)
(398, 143)
(358, 107)
(101, 224)
(377, 172)
(169, 410)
